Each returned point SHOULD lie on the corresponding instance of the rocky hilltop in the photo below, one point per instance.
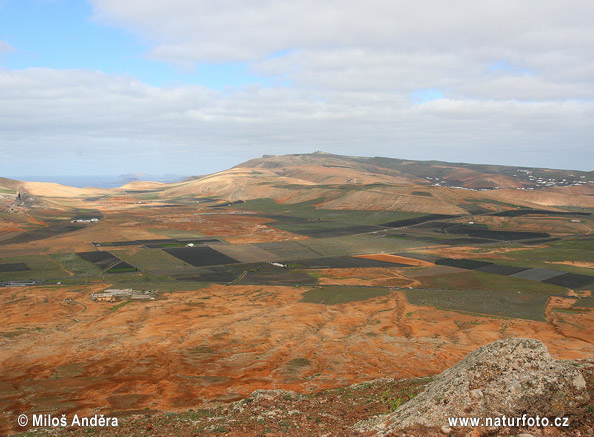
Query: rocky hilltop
(510, 378)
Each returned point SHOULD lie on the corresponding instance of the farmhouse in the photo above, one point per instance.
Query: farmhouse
(114, 294)
(84, 220)
(104, 298)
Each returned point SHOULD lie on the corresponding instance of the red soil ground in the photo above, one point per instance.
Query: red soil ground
(221, 343)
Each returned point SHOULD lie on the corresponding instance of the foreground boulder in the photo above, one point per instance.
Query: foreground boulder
(510, 377)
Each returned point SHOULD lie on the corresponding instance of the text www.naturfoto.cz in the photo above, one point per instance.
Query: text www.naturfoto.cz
(524, 420)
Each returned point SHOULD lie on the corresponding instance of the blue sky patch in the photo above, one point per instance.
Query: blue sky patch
(507, 67)
(62, 34)
(426, 95)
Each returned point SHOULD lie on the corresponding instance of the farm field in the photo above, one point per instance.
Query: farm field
(332, 295)
(510, 304)
(289, 250)
(13, 267)
(572, 254)
(38, 267)
(77, 265)
(345, 262)
(359, 245)
(571, 280)
(200, 256)
(307, 212)
(152, 260)
(271, 278)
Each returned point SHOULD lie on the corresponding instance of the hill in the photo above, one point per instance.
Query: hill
(354, 169)
(9, 185)
(346, 182)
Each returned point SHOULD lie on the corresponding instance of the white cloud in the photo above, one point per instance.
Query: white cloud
(354, 69)
(381, 45)
(77, 120)
(240, 30)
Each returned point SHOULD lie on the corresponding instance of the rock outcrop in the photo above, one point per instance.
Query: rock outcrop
(510, 377)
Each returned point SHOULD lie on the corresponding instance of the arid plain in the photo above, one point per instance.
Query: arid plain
(299, 272)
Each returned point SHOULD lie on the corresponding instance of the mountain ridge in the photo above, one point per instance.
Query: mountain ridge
(347, 182)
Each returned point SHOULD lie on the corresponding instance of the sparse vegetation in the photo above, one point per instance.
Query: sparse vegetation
(555, 255)
(332, 295)
(76, 265)
(298, 363)
(503, 303)
(40, 267)
(119, 305)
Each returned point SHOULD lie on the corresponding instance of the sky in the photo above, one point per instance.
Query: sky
(189, 87)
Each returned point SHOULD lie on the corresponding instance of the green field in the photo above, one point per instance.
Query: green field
(336, 294)
(358, 244)
(176, 233)
(119, 305)
(491, 201)
(298, 227)
(584, 302)
(76, 265)
(159, 284)
(289, 250)
(307, 210)
(545, 257)
(145, 196)
(475, 280)
(485, 302)
(269, 206)
(121, 269)
(152, 260)
(41, 267)
(452, 281)
(510, 283)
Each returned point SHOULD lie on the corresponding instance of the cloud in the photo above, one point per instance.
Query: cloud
(77, 120)
(239, 30)
(477, 81)
(528, 50)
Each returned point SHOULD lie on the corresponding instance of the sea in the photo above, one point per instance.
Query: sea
(98, 181)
